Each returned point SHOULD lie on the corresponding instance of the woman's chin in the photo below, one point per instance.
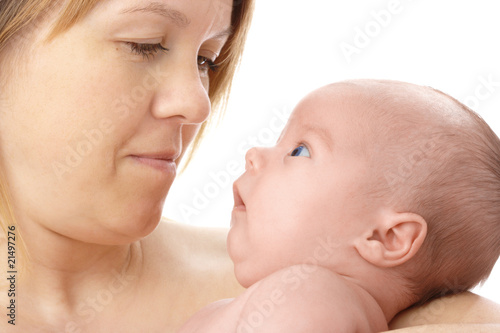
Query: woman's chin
(124, 230)
(135, 229)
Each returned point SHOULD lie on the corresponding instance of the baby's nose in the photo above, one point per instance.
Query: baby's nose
(253, 159)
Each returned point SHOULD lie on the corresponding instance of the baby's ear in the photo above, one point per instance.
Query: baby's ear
(393, 240)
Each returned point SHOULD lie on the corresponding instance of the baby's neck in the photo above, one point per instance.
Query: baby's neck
(387, 291)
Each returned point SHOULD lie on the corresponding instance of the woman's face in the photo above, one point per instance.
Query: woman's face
(93, 123)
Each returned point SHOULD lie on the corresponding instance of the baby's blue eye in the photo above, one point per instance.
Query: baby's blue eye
(301, 151)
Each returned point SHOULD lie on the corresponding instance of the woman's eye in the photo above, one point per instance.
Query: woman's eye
(146, 50)
(205, 64)
(301, 151)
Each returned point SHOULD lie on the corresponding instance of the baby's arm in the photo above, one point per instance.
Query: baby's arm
(300, 298)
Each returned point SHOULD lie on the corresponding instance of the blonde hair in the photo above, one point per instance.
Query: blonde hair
(18, 18)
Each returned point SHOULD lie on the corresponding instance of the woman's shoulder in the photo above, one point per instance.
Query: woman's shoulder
(196, 254)
(182, 242)
(185, 266)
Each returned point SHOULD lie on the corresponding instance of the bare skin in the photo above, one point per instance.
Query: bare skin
(339, 292)
(456, 328)
(309, 290)
(98, 261)
(108, 88)
(190, 259)
(195, 260)
(461, 309)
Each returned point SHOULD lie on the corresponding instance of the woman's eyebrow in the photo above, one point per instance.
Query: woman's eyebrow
(177, 17)
(223, 34)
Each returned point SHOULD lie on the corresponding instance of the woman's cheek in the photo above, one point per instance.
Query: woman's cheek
(188, 134)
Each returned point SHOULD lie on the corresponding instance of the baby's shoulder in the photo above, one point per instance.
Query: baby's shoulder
(306, 298)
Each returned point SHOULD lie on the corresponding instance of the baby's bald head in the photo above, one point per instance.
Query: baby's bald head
(431, 155)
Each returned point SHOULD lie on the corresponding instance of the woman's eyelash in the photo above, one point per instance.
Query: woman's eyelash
(151, 50)
(146, 50)
(206, 64)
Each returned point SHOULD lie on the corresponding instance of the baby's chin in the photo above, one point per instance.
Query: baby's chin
(248, 268)
(245, 274)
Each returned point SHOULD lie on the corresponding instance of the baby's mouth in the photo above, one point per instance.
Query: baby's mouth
(238, 201)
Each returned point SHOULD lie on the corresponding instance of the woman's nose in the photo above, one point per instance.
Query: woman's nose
(180, 93)
(254, 159)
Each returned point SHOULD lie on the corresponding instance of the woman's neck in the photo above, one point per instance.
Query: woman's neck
(62, 277)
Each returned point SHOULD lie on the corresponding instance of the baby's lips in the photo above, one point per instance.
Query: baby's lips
(238, 201)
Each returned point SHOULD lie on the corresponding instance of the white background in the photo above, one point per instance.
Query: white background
(296, 46)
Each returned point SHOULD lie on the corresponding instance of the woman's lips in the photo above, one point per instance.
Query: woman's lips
(163, 164)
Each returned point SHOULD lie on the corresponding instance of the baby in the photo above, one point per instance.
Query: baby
(378, 195)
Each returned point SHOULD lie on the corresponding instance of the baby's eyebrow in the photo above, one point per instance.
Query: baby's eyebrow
(321, 132)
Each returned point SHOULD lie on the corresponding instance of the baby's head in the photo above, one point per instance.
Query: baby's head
(377, 177)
